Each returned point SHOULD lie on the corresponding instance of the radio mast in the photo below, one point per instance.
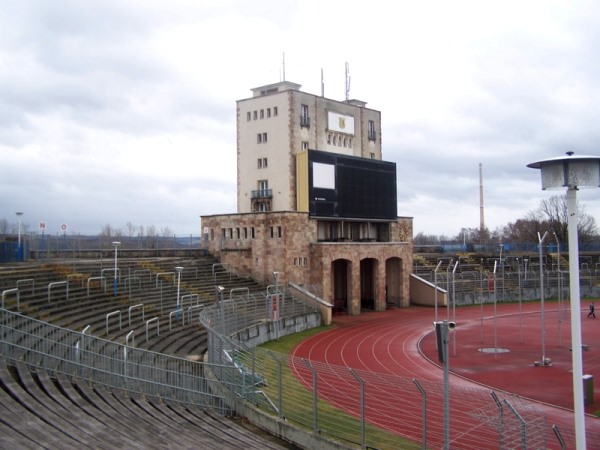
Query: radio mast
(481, 220)
(347, 81)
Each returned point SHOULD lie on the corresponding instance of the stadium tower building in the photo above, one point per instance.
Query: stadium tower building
(315, 202)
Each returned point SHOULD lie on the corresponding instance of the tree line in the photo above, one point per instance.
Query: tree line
(550, 216)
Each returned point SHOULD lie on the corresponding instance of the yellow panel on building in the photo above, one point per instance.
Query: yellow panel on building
(302, 181)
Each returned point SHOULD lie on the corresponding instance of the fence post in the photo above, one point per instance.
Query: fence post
(522, 422)
(424, 397)
(279, 386)
(501, 421)
(314, 385)
(561, 441)
(363, 439)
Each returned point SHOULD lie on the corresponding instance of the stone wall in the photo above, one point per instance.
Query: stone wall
(258, 244)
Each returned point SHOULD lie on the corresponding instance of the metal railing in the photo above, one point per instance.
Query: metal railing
(358, 407)
(125, 367)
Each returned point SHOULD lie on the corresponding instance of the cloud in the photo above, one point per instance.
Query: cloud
(125, 111)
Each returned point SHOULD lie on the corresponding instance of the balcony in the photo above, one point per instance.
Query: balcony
(262, 193)
(304, 121)
(372, 136)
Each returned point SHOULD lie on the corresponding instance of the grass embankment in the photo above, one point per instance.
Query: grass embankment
(341, 425)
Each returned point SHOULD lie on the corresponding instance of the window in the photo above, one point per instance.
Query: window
(245, 233)
(372, 155)
(304, 261)
(263, 187)
(259, 138)
(271, 232)
(252, 233)
(238, 232)
(279, 231)
(264, 137)
(223, 235)
(268, 112)
(304, 118)
(275, 111)
(259, 163)
(248, 116)
(304, 145)
(329, 138)
(371, 131)
(262, 113)
(264, 163)
(255, 114)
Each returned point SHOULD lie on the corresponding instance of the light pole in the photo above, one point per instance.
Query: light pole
(545, 362)
(179, 270)
(573, 172)
(19, 252)
(116, 244)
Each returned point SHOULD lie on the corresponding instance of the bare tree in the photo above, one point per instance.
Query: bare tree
(131, 229)
(106, 231)
(166, 232)
(551, 216)
(4, 226)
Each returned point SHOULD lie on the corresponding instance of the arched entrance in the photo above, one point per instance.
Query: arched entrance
(393, 282)
(368, 283)
(340, 273)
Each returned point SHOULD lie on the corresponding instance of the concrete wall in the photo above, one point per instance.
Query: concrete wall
(423, 292)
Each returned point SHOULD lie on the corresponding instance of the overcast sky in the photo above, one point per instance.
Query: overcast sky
(124, 111)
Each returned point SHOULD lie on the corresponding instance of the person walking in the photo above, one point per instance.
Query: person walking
(592, 313)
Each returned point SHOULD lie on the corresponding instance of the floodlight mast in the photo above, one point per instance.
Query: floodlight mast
(116, 244)
(19, 214)
(573, 172)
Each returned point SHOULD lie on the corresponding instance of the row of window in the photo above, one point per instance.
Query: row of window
(239, 233)
(261, 138)
(249, 233)
(339, 140)
(262, 163)
(262, 113)
(301, 262)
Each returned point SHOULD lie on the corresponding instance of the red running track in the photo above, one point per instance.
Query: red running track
(391, 348)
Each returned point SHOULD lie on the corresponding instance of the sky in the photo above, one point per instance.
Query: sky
(115, 112)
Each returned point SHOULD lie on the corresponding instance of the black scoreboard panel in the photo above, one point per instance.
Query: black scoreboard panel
(350, 187)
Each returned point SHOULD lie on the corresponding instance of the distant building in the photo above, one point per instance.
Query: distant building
(316, 202)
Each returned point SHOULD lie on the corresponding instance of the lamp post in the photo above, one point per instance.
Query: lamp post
(179, 270)
(116, 244)
(545, 362)
(19, 252)
(573, 172)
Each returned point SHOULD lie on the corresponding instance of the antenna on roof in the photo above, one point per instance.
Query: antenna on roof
(322, 84)
(347, 81)
(283, 66)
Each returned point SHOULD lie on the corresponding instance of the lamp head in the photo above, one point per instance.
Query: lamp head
(569, 171)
